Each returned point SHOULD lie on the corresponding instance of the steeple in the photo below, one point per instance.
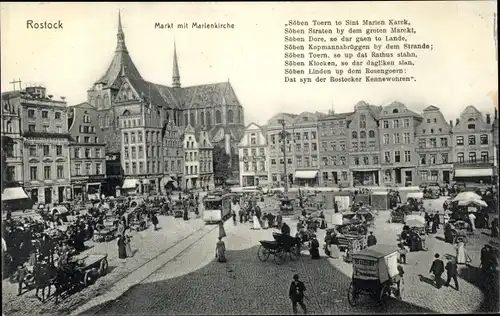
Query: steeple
(176, 77)
(120, 44)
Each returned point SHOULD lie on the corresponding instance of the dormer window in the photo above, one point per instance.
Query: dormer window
(395, 111)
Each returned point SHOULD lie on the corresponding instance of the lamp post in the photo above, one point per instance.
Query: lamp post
(283, 137)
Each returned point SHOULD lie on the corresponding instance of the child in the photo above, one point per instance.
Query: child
(403, 250)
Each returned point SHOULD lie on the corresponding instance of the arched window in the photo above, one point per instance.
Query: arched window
(106, 101)
(230, 116)
(98, 101)
(371, 134)
(471, 120)
(202, 118)
(130, 95)
(362, 124)
(191, 119)
(126, 112)
(395, 111)
(209, 119)
(9, 127)
(186, 119)
(354, 135)
(362, 134)
(218, 118)
(106, 120)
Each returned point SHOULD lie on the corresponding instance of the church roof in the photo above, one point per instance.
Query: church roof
(206, 95)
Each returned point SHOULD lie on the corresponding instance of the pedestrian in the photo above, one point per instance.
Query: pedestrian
(220, 251)
(403, 250)
(451, 272)
(122, 251)
(336, 207)
(437, 268)
(128, 247)
(121, 228)
(154, 220)
(461, 254)
(186, 214)
(285, 229)
(241, 213)
(494, 228)
(233, 215)
(314, 249)
(256, 222)
(22, 272)
(472, 219)
(296, 294)
(371, 240)
(222, 231)
(265, 221)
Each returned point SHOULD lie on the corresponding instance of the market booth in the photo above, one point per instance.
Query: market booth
(380, 200)
(362, 198)
(343, 199)
(405, 191)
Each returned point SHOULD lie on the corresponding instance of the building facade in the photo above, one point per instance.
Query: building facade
(12, 140)
(364, 145)
(173, 156)
(122, 88)
(205, 161)
(434, 148)
(473, 147)
(278, 149)
(198, 159)
(88, 160)
(253, 157)
(46, 155)
(397, 126)
(333, 139)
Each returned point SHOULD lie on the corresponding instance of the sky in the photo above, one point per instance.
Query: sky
(461, 70)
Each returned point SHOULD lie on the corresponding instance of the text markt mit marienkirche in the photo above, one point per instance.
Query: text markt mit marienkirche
(194, 25)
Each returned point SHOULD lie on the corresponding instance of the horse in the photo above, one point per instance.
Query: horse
(44, 275)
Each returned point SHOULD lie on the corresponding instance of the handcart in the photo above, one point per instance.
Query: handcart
(376, 274)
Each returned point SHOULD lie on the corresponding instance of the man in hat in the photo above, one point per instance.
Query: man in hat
(371, 240)
(452, 272)
(437, 268)
(296, 294)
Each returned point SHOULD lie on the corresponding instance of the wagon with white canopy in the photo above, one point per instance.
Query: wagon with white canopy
(376, 274)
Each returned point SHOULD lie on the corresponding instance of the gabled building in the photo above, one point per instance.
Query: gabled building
(173, 156)
(198, 160)
(364, 146)
(277, 149)
(334, 162)
(397, 144)
(86, 151)
(122, 88)
(253, 152)
(434, 148)
(474, 149)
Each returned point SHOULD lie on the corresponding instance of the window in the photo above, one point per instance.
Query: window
(356, 161)
(59, 150)
(139, 136)
(46, 150)
(273, 161)
(45, 114)
(132, 138)
(371, 134)
(31, 113)
(484, 156)
(60, 172)
(314, 147)
(88, 168)
(386, 124)
(397, 140)
(484, 139)
(397, 156)
(324, 146)
(305, 135)
(362, 124)
(406, 138)
(460, 157)
(33, 151)
(362, 134)
(362, 146)
(314, 162)
(406, 122)
(423, 175)
(407, 156)
(472, 140)
(422, 159)
(313, 135)
(333, 160)
(460, 140)
(432, 159)
(434, 175)
(395, 124)
(77, 139)
(87, 153)
(299, 162)
(421, 143)
(365, 160)
(33, 173)
(344, 175)
(98, 152)
(342, 146)
(253, 139)
(387, 157)
(333, 145)
(46, 172)
(428, 120)
(375, 160)
(59, 129)
(444, 157)
(354, 135)
(433, 142)
(444, 142)
(471, 126)
(57, 115)
(98, 168)
(342, 160)
(472, 157)
(45, 128)
(307, 162)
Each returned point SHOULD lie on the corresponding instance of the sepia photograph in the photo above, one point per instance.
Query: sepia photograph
(237, 158)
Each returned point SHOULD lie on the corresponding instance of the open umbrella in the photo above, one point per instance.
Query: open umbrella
(414, 223)
(465, 196)
(414, 218)
(474, 202)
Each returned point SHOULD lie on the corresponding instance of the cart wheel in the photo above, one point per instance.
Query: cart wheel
(352, 295)
(103, 269)
(263, 253)
(294, 253)
(280, 256)
(385, 294)
(88, 279)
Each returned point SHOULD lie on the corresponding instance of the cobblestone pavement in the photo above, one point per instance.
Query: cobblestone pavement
(147, 245)
(195, 283)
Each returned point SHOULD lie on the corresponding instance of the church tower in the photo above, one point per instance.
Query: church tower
(176, 77)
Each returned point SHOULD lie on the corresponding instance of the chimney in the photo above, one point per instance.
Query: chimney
(451, 123)
(488, 119)
(457, 121)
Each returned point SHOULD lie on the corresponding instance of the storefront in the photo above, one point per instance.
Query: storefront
(306, 178)
(365, 177)
(130, 187)
(473, 175)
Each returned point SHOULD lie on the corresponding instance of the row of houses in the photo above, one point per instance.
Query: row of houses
(54, 152)
(371, 146)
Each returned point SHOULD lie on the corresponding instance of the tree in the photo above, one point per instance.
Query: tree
(221, 165)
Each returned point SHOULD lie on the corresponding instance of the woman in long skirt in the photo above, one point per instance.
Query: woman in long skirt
(220, 251)
(222, 231)
(122, 251)
(334, 247)
(265, 222)
(256, 223)
(128, 247)
(460, 251)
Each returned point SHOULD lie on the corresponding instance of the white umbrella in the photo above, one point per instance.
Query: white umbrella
(466, 196)
(476, 202)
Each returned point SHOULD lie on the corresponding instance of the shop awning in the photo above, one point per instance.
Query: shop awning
(466, 173)
(311, 174)
(10, 194)
(130, 184)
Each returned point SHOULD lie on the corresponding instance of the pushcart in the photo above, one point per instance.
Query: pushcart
(376, 274)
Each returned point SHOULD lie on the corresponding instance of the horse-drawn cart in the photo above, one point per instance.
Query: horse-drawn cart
(91, 267)
(280, 248)
(375, 273)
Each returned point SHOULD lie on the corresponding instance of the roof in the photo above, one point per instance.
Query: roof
(121, 62)
(377, 251)
(336, 116)
(431, 108)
